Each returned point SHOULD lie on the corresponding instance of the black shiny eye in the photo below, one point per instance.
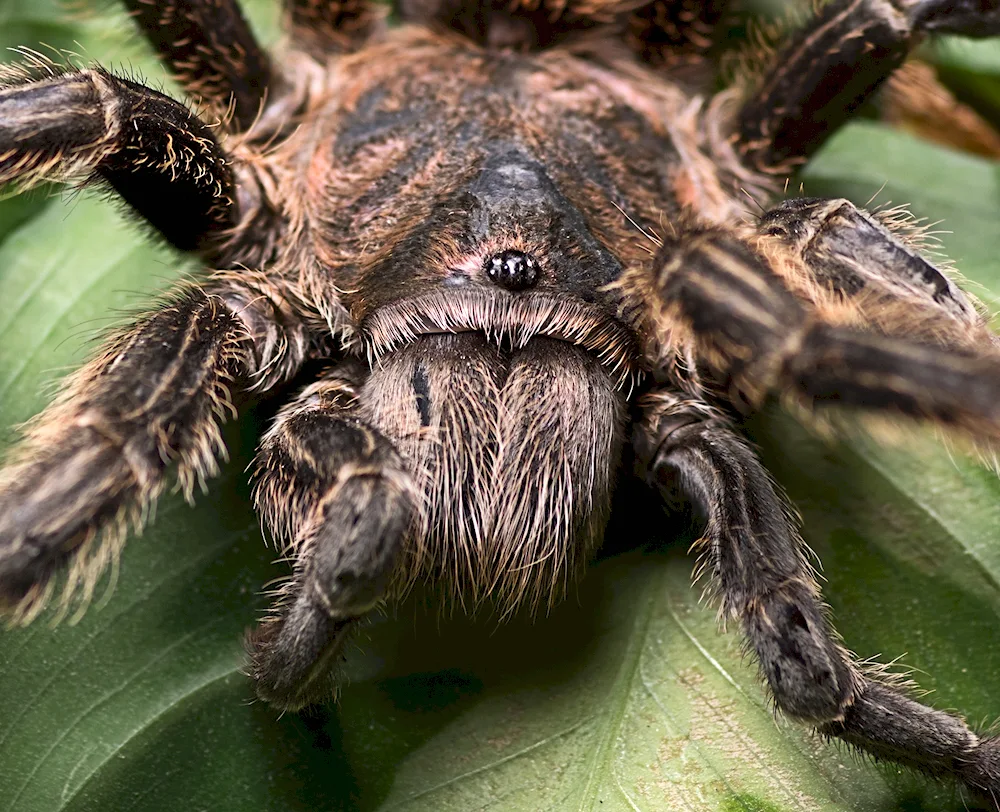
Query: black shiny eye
(511, 269)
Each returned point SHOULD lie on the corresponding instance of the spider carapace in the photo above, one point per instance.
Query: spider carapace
(514, 241)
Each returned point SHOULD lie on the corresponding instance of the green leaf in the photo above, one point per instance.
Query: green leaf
(971, 69)
(626, 698)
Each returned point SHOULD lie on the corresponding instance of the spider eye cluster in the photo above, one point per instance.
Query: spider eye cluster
(512, 269)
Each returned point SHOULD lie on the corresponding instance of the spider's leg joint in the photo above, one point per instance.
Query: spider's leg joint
(753, 552)
(337, 496)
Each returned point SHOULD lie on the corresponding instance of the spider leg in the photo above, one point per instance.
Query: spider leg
(99, 455)
(714, 296)
(154, 152)
(842, 55)
(758, 566)
(751, 551)
(837, 256)
(210, 50)
(850, 253)
(325, 27)
(335, 493)
(660, 31)
(665, 32)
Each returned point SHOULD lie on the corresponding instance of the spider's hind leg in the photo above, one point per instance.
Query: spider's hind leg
(659, 31)
(665, 32)
(826, 71)
(335, 493)
(210, 50)
(758, 568)
(325, 27)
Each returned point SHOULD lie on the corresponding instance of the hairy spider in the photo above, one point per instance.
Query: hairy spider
(443, 215)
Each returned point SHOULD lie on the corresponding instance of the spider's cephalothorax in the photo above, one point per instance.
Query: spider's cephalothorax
(446, 214)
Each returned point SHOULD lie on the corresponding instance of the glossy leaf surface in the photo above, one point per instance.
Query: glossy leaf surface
(627, 698)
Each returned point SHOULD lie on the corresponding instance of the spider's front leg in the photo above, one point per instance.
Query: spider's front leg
(832, 65)
(99, 455)
(337, 496)
(758, 568)
(153, 151)
(709, 292)
(751, 552)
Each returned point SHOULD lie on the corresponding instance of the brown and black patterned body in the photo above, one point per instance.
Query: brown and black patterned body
(514, 235)
(427, 156)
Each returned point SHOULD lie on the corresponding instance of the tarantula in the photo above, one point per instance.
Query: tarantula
(443, 216)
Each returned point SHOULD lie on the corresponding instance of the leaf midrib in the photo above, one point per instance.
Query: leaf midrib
(601, 764)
